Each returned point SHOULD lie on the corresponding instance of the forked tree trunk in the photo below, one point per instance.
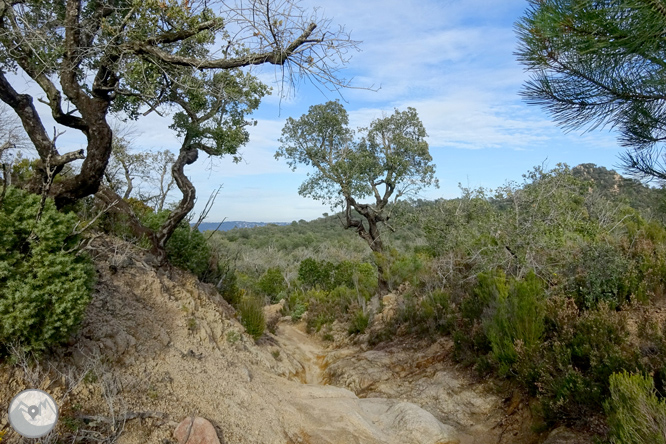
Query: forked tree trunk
(377, 247)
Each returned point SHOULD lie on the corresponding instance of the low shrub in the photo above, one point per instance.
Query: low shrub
(636, 415)
(602, 273)
(251, 312)
(581, 349)
(45, 286)
(359, 322)
(517, 321)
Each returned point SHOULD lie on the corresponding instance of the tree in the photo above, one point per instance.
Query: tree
(390, 161)
(601, 63)
(134, 57)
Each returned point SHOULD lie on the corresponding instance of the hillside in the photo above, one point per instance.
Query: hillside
(157, 346)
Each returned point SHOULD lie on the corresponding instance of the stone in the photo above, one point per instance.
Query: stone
(389, 302)
(273, 313)
(196, 431)
(563, 435)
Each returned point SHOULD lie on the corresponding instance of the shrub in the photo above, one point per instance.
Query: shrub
(581, 350)
(359, 322)
(251, 311)
(316, 274)
(518, 320)
(45, 286)
(602, 274)
(325, 307)
(186, 248)
(272, 283)
(635, 414)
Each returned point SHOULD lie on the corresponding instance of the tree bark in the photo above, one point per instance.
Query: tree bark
(187, 156)
(372, 236)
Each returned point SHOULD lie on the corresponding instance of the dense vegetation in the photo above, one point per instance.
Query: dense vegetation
(548, 284)
(537, 282)
(45, 286)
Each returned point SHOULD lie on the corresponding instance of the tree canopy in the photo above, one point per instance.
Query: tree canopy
(594, 64)
(389, 161)
(91, 58)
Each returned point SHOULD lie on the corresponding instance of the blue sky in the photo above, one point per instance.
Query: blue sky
(451, 60)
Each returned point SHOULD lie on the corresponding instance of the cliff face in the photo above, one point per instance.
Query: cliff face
(157, 346)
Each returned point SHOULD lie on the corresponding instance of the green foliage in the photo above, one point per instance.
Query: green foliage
(581, 350)
(272, 283)
(328, 276)
(636, 414)
(602, 273)
(611, 74)
(313, 273)
(45, 286)
(186, 248)
(518, 318)
(325, 307)
(359, 322)
(427, 315)
(400, 268)
(251, 312)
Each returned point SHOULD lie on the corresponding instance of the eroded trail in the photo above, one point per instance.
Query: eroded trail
(421, 374)
(307, 350)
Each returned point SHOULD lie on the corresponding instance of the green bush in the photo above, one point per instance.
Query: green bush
(517, 321)
(581, 349)
(359, 322)
(272, 283)
(316, 274)
(325, 307)
(251, 311)
(636, 415)
(602, 274)
(44, 288)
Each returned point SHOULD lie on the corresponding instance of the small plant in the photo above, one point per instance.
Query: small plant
(90, 377)
(153, 393)
(45, 286)
(518, 319)
(192, 323)
(251, 310)
(275, 354)
(233, 336)
(359, 322)
(636, 415)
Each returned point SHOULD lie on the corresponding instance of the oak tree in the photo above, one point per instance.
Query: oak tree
(389, 160)
(90, 58)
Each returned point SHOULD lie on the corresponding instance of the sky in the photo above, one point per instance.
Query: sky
(452, 60)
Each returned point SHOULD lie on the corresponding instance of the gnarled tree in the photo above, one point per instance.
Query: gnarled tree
(134, 57)
(391, 160)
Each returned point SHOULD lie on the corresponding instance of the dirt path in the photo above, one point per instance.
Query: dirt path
(422, 374)
(308, 351)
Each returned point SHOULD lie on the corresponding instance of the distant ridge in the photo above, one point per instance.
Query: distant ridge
(228, 225)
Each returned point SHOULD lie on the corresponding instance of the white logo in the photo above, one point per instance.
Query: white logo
(33, 413)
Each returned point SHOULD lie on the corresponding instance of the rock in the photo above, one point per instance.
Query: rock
(390, 303)
(563, 435)
(196, 431)
(332, 415)
(273, 313)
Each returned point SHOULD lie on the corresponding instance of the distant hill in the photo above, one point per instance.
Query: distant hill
(228, 225)
(646, 199)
